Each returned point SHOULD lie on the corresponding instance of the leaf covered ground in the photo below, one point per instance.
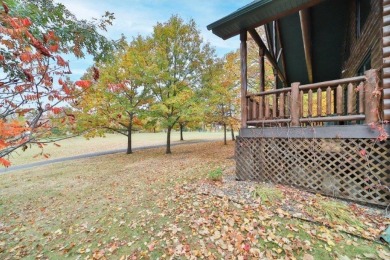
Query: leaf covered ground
(149, 205)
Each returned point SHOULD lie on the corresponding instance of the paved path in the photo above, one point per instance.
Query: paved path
(89, 155)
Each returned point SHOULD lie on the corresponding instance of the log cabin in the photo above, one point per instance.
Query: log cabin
(323, 127)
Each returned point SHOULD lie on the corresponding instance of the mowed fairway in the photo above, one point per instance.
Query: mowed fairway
(80, 145)
(146, 206)
(114, 203)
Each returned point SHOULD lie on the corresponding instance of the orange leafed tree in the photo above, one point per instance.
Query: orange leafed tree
(31, 83)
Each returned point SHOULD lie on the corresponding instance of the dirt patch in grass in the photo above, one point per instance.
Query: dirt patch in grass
(145, 205)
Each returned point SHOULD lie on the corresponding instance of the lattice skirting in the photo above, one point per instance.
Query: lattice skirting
(354, 169)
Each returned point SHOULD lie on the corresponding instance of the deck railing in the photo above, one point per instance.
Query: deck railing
(346, 101)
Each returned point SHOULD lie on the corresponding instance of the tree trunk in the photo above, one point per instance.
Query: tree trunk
(168, 151)
(224, 134)
(129, 132)
(232, 130)
(181, 132)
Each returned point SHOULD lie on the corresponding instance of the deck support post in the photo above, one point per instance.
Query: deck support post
(262, 69)
(295, 105)
(371, 96)
(244, 78)
(304, 16)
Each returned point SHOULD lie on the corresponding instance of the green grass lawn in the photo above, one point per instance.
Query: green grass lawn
(145, 206)
(80, 145)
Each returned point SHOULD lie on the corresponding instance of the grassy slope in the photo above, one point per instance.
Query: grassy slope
(80, 145)
(138, 206)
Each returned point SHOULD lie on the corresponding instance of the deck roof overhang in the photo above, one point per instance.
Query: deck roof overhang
(255, 14)
(326, 23)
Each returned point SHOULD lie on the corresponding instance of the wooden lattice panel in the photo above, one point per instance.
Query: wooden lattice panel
(354, 169)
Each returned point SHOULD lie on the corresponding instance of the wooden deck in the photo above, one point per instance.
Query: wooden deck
(348, 101)
(326, 137)
(322, 137)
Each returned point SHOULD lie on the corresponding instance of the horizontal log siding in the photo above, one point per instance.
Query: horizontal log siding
(386, 61)
(369, 40)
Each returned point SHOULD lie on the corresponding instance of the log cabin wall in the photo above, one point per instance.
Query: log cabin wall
(386, 60)
(357, 48)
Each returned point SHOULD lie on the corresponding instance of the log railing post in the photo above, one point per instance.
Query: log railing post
(274, 106)
(295, 105)
(339, 100)
(328, 101)
(351, 99)
(301, 103)
(319, 102)
(244, 78)
(371, 98)
(267, 108)
(261, 107)
(288, 106)
(361, 97)
(254, 109)
(281, 105)
(250, 109)
(310, 103)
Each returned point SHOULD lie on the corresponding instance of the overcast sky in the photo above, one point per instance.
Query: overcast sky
(133, 17)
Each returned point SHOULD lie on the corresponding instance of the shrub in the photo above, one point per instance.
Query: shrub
(215, 175)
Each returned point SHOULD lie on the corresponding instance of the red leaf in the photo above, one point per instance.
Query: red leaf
(26, 22)
(83, 83)
(66, 89)
(5, 162)
(26, 57)
(19, 89)
(6, 9)
(363, 152)
(38, 45)
(246, 247)
(151, 247)
(29, 76)
(15, 23)
(60, 61)
(53, 48)
(56, 110)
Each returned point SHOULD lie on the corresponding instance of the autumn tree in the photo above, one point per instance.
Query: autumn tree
(192, 115)
(32, 84)
(221, 93)
(78, 37)
(179, 57)
(120, 97)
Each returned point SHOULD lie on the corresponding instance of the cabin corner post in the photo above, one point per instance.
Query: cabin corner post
(385, 59)
(295, 105)
(372, 97)
(244, 78)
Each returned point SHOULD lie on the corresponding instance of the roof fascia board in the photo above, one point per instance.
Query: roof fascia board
(236, 19)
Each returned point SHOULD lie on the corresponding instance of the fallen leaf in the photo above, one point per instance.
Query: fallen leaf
(307, 257)
(384, 255)
(370, 256)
